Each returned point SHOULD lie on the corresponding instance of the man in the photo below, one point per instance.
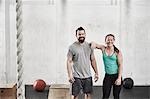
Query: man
(82, 56)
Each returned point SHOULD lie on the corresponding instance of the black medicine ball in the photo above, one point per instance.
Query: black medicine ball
(128, 83)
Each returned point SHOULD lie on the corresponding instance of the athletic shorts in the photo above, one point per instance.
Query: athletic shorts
(84, 84)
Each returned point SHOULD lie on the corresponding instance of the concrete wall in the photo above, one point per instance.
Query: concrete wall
(57, 24)
(2, 42)
(7, 42)
(46, 46)
(49, 28)
(40, 53)
(135, 39)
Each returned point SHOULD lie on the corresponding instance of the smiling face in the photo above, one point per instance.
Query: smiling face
(81, 35)
(109, 40)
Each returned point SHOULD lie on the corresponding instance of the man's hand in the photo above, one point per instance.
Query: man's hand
(96, 77)
(71, 79)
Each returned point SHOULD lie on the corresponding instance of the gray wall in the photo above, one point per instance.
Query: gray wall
(135, 39)
(7, 43)
(49, 28)
(2, 42)
(56, 28)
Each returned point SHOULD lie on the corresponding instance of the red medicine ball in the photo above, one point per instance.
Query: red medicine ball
(39, 85)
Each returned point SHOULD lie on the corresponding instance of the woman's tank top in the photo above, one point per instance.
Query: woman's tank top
(110, 63)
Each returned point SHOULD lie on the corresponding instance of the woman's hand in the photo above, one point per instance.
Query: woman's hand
(118, 81)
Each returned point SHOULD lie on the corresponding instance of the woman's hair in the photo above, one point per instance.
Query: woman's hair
(115, 48)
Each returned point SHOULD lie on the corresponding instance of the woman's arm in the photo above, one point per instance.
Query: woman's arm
(97, 46)
(120, 62)
(120, 65)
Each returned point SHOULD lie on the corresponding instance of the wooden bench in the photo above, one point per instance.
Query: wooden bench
(8, 91)
(59, 91)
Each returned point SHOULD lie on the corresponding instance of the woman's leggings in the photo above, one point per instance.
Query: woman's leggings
(108, 82)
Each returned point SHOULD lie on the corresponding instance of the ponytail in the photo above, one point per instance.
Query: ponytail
(116, 49)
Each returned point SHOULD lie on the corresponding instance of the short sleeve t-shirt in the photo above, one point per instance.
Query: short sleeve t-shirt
(81, 56)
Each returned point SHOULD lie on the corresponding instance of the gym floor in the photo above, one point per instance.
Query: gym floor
(137, 92)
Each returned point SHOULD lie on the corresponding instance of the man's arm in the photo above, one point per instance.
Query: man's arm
(94, 66)
(69, 69)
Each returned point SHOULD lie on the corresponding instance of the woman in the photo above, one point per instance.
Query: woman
(112, 59)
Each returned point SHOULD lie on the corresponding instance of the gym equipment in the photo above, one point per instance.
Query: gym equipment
(39, 85)
(19, 43)
(8, 91)
(59, 91)
(128, 83)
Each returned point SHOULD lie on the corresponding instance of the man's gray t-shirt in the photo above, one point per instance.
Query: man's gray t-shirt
(81, 56)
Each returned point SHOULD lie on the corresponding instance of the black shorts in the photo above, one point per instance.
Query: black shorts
(84, 84)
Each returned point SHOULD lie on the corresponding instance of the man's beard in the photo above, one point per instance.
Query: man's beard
(81, 39)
